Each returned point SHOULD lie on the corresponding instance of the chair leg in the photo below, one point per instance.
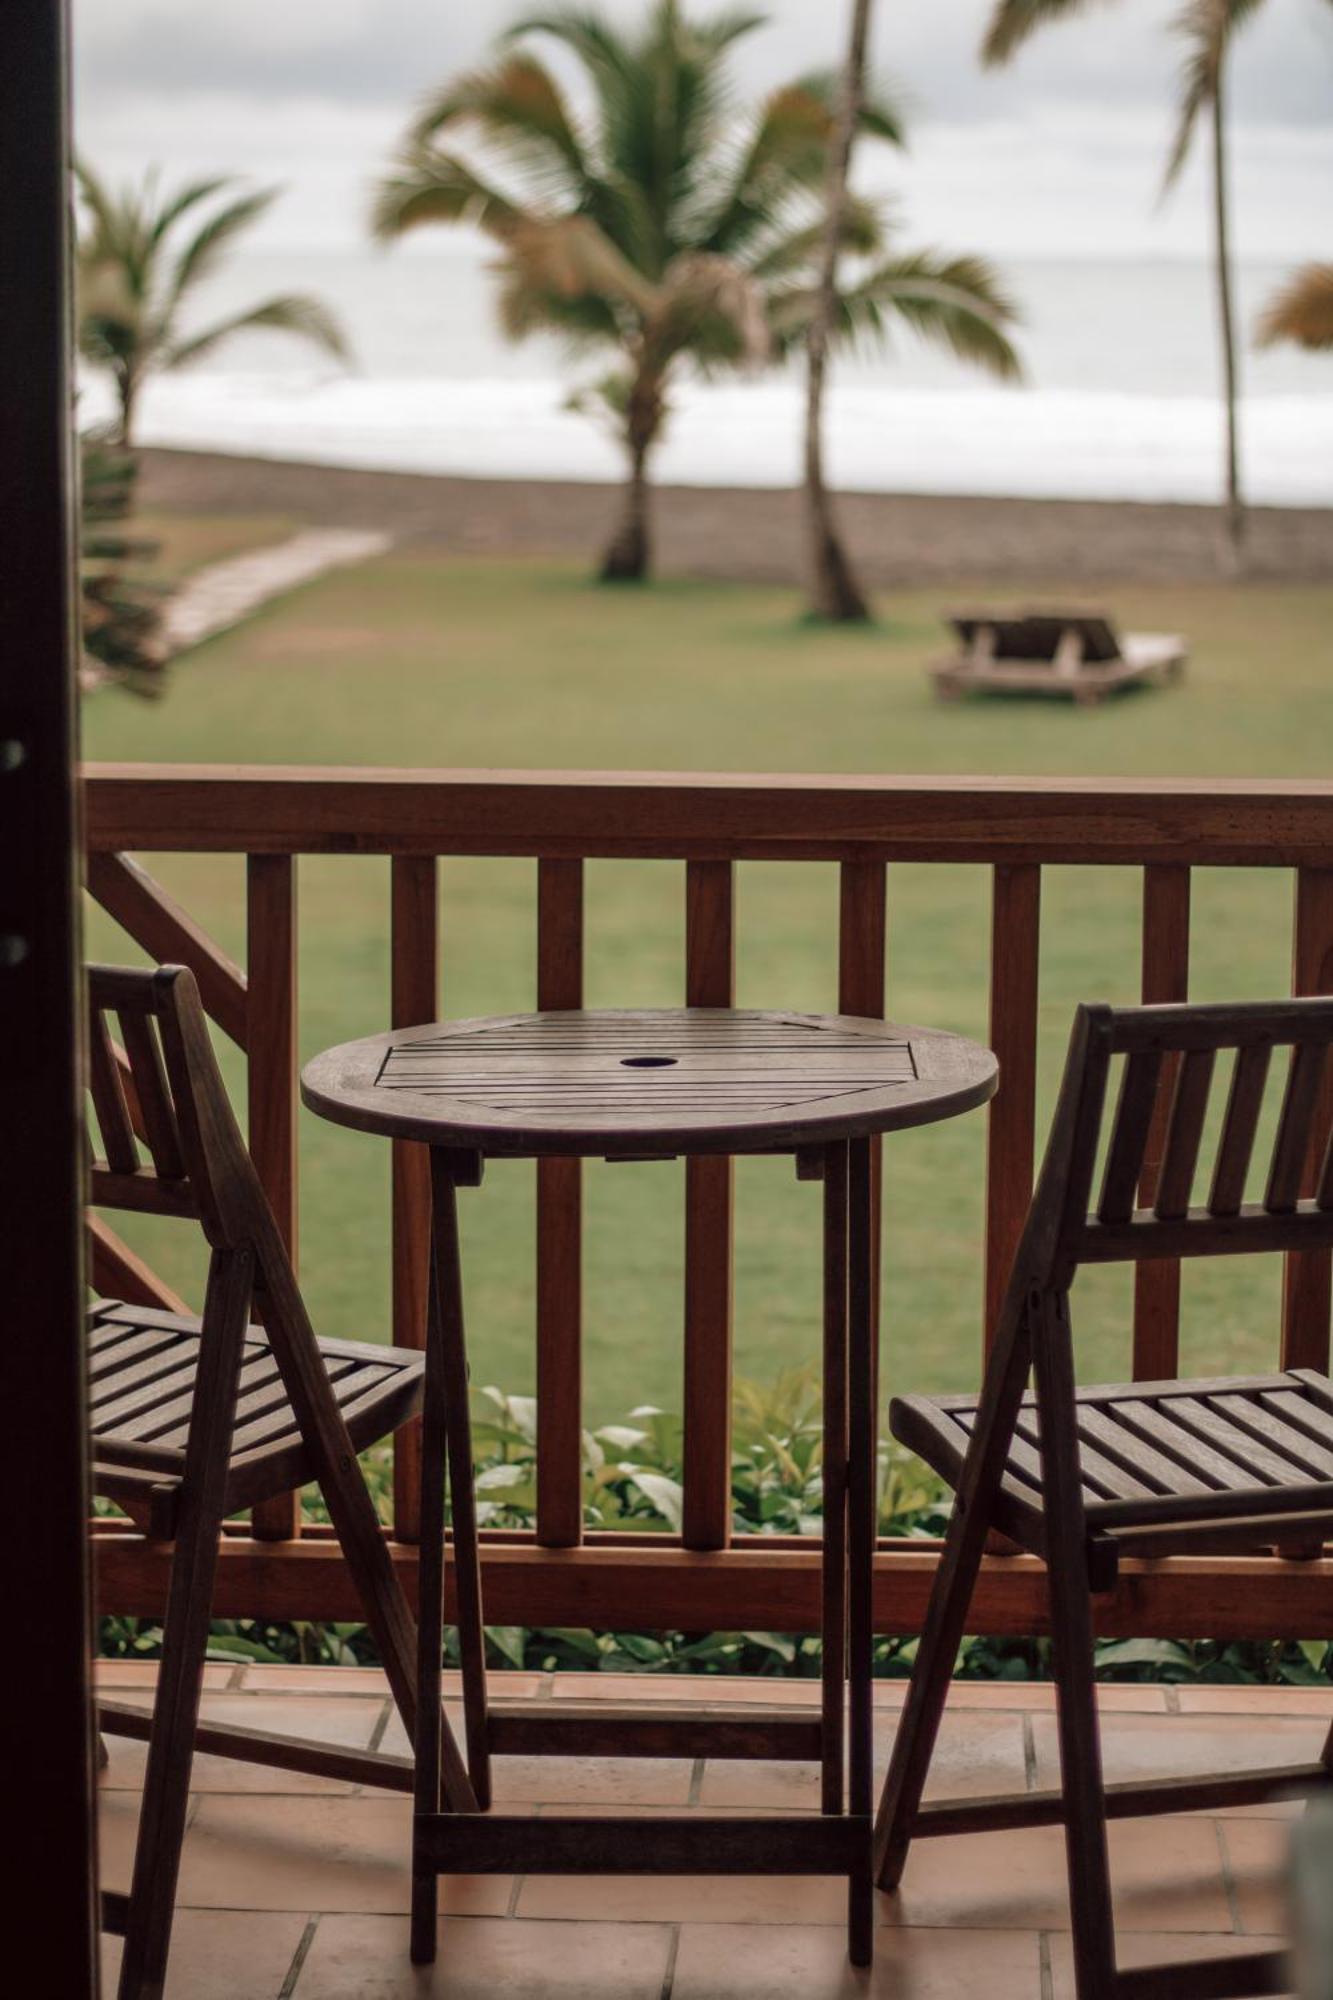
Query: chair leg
(923, 1711)
(1086, 1855)
(955, 1580)
(448, 1281)
(1092, 1921)
(166, 1791)
(180, 1679)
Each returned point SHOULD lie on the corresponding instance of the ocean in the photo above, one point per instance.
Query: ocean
(1120, 400)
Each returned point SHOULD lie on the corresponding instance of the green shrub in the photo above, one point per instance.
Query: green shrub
(632, 1478)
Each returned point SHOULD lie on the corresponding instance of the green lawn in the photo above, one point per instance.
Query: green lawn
(434, 661)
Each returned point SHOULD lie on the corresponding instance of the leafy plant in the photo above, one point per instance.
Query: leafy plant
(121, 609)
(632, 1477)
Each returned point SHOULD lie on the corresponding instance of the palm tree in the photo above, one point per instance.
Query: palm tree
(1301, 312)
(1207, 27)
(659, 225)
(135, 278)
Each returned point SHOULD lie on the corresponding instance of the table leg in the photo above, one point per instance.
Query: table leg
(834, 1579)
(430, 1630)
(861, 1526)
(457, 1426)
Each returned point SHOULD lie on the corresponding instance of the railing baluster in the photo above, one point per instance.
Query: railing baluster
(559, 1238)
(1165, 977)
(413, 1000)
(862, 941)
(1306, 1289)
(710, 981)
(1011, 1127)
(270, 1025)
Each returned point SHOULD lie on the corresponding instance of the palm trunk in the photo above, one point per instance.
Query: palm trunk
(127, 390)
(834, 592)
(1235, 523)
(628, 556)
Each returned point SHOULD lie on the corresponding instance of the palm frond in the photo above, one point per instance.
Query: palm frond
(884, 105)
(100, 201)
(571, 258)
(604, 55)
(1013, 21)
(429, 186)
(955, 302)
(798, 249)
(1206, 26)
(712, 306)
(727, 28)
(1301, 311)
(292, 312)
(787, 153)
(518, 108)
(183, 201)
(216, 236)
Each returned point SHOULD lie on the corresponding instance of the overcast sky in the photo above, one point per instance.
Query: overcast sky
(1059, 154)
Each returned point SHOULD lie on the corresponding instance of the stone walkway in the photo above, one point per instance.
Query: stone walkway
(226, 592)
(297, 1888)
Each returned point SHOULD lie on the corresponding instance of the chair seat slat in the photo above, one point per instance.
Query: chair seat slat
(267, 1407)
(1103, 1479)
(1270, 1466)
(280, 1422)
(258, 1374)
(117, 1358)
(1158, 1473)
(1303, 1413)
(157, 1385)
(1150, 1420)
(1265, 1422)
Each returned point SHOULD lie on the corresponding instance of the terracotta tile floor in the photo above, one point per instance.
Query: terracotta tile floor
(292, 1890)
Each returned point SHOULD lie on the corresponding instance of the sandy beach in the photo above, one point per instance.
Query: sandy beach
(752, 533)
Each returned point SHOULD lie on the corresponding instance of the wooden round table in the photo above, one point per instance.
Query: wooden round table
(654, 1084)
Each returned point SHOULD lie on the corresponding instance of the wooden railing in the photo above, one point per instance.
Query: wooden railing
(1016, 828)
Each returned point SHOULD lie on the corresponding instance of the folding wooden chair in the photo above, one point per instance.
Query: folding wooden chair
(193, 1419)
(1080, 1476)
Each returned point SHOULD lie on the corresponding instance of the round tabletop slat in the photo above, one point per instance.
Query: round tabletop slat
(666, 1080)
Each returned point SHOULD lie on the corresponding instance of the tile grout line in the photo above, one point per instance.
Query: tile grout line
(1029, 1754)
(302, 1952)
(1044, 1962)
(1228, 1879)
(669, 1970)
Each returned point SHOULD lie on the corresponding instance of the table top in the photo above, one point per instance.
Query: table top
(647, 1081)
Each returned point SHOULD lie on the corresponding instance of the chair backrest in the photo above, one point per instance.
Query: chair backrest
(1172, 1056)
(169, 1141)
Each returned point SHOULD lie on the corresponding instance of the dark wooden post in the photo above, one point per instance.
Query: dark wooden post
(50, 1879)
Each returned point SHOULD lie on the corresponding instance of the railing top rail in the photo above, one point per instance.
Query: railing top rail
(678, 815)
